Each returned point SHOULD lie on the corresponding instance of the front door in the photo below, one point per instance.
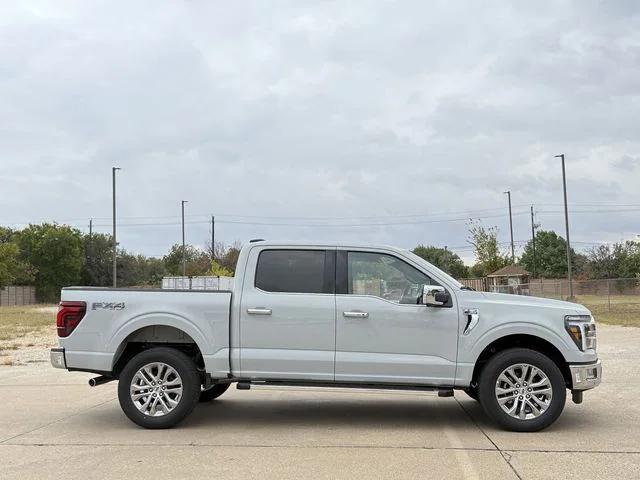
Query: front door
(383, 333)
(287, 314)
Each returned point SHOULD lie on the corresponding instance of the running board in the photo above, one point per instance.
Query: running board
(443, 391)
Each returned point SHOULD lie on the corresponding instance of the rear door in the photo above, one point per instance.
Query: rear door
(287, 314)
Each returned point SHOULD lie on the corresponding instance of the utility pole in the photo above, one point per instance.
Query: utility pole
(184, 251)
(566, 222)
(213, 238)
(533, 241)
(88, 251)
(115, 243)
(446, 259)
(513, 249)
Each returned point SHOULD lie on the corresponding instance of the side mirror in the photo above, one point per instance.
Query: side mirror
(435, 296)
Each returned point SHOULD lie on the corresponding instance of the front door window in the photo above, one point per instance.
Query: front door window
(385, 276)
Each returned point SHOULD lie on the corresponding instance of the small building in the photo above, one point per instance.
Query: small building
(510, 279)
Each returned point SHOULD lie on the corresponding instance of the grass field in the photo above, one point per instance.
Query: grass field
(26, 326)
(616, 310)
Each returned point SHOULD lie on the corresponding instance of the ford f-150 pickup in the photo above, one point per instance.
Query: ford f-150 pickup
(336, 316)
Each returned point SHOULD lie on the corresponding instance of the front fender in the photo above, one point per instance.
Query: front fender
(470, 347)
(473, 351)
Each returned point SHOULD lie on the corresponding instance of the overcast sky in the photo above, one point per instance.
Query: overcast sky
(312, 115)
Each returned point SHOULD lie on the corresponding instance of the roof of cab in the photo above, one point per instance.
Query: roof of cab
(336, 244)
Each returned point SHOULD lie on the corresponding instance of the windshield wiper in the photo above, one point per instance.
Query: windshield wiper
(465, 287)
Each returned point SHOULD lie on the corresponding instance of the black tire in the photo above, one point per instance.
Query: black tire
(472, 392)
(213, 392)
(487, 384)
(183, 365)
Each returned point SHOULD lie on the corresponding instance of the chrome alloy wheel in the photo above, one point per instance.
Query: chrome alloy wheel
(523, 391)
(156, 389)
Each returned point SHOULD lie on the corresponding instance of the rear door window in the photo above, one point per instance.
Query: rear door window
(295, 271)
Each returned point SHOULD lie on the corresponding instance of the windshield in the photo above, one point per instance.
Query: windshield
(430, 266)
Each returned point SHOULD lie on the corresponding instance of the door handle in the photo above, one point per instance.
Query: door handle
(355, 314)
(259, 311)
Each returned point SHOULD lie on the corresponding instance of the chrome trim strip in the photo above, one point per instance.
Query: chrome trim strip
(580, 376)
(57, 358)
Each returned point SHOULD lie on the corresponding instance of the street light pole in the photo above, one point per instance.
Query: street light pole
(533, 241)
(184, 252)
(566, 222)
(115, 243)
(513, 250)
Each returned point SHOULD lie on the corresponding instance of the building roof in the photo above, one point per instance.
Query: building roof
(510, 271)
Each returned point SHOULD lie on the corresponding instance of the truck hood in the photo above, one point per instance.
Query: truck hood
(523, 300)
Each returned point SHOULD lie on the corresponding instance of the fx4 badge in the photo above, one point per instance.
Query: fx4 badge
(107, 306)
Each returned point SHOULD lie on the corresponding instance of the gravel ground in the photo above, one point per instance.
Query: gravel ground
(31, 341)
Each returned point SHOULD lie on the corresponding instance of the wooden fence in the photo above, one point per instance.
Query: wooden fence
(17, 295)
(479, 284)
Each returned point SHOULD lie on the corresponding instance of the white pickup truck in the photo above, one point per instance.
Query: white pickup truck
(335, 316)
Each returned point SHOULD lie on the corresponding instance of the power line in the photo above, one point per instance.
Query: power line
(600, 208)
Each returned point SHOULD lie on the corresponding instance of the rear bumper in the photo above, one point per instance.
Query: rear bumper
(585, 377)
(58, 359)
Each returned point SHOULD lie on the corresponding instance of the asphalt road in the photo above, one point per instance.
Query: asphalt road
(52, 425)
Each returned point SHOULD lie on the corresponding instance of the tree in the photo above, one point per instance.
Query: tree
(217, 270)
(98, 267)
(198, 262)
(13, 271)
(139, 271)
(551, 255)
(489, 258)
(445, 260)
(6, 235)
(57, 254)
(620, 260)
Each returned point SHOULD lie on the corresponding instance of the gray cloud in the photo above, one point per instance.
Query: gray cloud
(328, 109)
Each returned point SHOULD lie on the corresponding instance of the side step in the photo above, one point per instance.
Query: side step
(246, 385)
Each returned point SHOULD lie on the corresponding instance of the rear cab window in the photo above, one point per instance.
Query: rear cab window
(296, 271)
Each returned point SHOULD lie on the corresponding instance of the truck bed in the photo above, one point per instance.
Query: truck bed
(117, 316)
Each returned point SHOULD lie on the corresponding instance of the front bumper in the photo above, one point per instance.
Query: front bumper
(57, 358)
(584, 377)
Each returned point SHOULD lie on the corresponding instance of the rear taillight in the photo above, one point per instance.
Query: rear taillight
(69, 316)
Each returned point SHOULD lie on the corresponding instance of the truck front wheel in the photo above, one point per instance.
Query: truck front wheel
(159, 387)
(522, 390)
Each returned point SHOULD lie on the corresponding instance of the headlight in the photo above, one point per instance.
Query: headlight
(582, 330)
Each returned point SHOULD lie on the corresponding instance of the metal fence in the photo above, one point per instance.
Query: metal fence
(17, 295)
(197, 283)
(621, 295)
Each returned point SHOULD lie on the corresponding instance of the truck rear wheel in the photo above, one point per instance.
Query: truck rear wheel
(159, 387)
(213, 392)
(522, 390)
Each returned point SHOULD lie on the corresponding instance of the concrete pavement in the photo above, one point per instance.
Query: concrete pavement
(54, 426)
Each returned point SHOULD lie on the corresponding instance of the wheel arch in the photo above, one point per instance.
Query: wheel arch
(521, 340)
(152, 332)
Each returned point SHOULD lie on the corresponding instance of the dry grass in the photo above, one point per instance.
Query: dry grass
(27, 326)
(618, 310)
(7, 360)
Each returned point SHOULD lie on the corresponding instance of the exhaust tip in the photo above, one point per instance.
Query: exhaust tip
(95, 381)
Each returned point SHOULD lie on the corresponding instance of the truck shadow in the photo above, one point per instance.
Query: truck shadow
(379, 411)
(369, 411)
